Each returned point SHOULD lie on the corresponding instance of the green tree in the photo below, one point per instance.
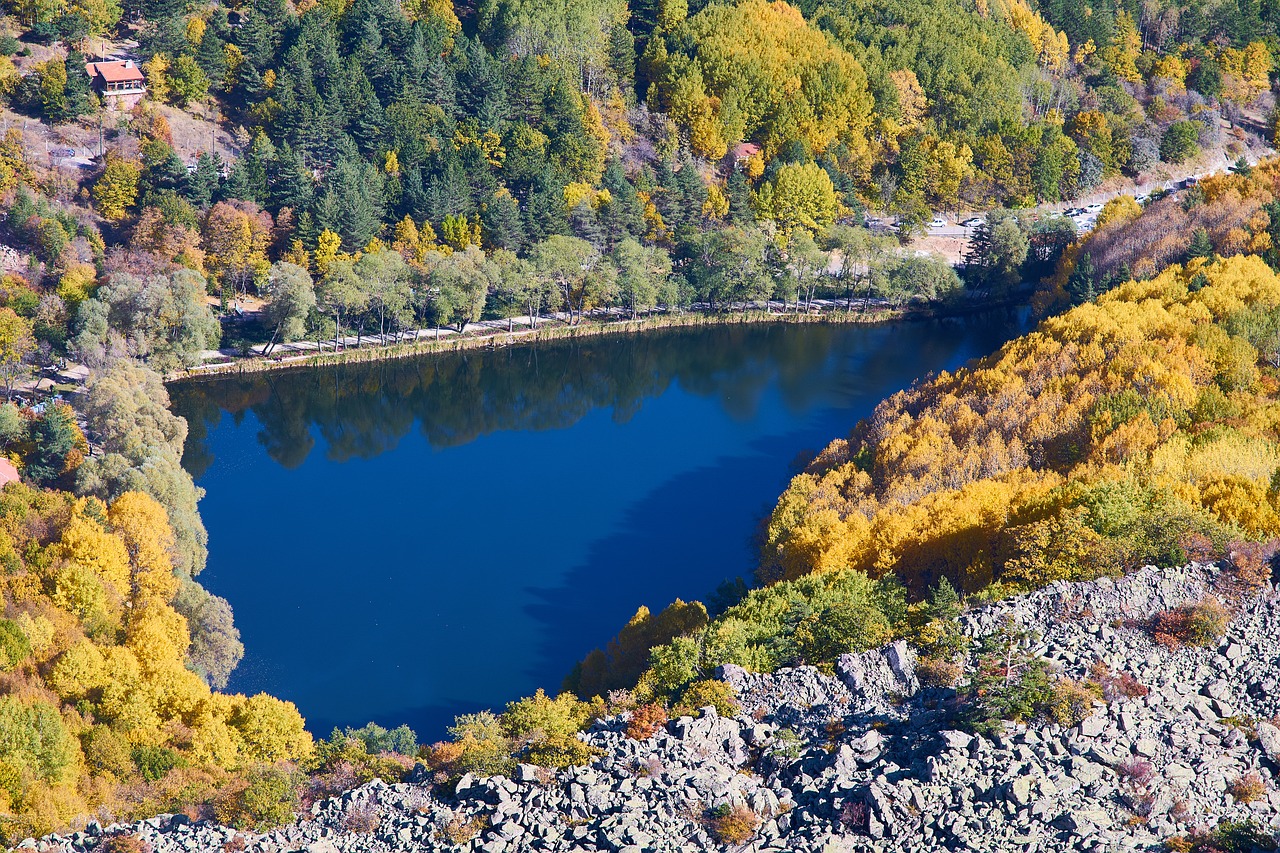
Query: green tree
(1180, 141)
(187, 81)
(642, 270)
(291, 298)
(55, 436)
(461, 282)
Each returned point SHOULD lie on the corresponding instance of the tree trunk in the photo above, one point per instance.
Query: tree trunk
(272, 343)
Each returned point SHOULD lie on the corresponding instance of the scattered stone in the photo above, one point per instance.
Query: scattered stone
(870, 761)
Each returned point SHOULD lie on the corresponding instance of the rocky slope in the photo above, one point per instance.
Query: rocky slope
(867, 761)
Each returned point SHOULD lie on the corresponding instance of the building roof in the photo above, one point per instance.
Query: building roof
(8, 472)
(115, 71)
(745, 151)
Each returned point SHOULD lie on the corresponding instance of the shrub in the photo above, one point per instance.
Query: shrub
(400, 740)
(733, 824)
(1136, 771)
(1072, 701)
(1116, 685)
(479, 746)
(855, 817)
(701, 694)
(545, 729)
(265, 800)
(363, 819)
(645, 721)
(936, 672)
(1199, 624)
(1226, 837)
(155, 762)
(1248, 788)
(651, 767)
(105, 751)
(1251, 563)
(560, 751)
(459, 831)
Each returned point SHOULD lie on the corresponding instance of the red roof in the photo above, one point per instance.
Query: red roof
(8, 473)
(116, 71)
(746, 151)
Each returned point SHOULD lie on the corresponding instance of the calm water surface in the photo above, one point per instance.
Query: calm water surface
(410, 540)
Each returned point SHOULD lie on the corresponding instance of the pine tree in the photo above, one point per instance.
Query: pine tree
(501, 223)
(1081, 284)
(740, 210)
(1200, 246)
(202, 186)
(292, 185)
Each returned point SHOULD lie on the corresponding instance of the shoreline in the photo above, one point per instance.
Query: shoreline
(588, 329)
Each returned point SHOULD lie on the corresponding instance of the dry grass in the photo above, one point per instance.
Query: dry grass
(1248, 788)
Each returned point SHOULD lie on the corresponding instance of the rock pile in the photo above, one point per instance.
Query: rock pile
(869, 759)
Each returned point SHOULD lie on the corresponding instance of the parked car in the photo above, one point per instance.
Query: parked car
(1093, 208)
(973, 222)
(937, 222)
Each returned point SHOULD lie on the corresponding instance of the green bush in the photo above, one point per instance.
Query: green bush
(155, 762)
(14, 645)
(1180, 142)
(701, 694)
(266, 800)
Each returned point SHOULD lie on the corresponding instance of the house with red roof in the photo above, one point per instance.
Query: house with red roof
(119, 82)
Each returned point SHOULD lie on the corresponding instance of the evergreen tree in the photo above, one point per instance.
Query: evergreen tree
(501, 223)
(292, 185)
(1200, 245)
(1081, 284)
(740, 210)
(79, 96)
(356, 207)
(202, 185)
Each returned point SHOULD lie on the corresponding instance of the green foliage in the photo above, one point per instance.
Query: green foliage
(34, 739)
(1010, 684)
(707, 693)
(155, 762)
(267, 800)
(14, 645)
(1180, 141)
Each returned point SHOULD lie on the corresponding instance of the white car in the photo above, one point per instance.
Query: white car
(938, 222)
(973, 222)
(1093, 208)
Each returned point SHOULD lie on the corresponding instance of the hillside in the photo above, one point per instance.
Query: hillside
(1161, 743)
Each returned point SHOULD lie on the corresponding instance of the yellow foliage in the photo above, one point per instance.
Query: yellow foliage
(78, 671)
(1024, 468)
(272, 730)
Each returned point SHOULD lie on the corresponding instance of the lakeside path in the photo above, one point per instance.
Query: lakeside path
(494, 334)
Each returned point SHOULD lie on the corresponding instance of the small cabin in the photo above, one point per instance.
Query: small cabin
(118, 82)
(744, 152)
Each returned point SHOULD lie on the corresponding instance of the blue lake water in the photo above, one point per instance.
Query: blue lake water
(414, 539)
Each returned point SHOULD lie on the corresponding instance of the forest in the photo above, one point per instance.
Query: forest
(387, 166)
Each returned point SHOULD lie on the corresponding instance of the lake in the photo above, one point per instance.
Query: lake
(409, 540)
